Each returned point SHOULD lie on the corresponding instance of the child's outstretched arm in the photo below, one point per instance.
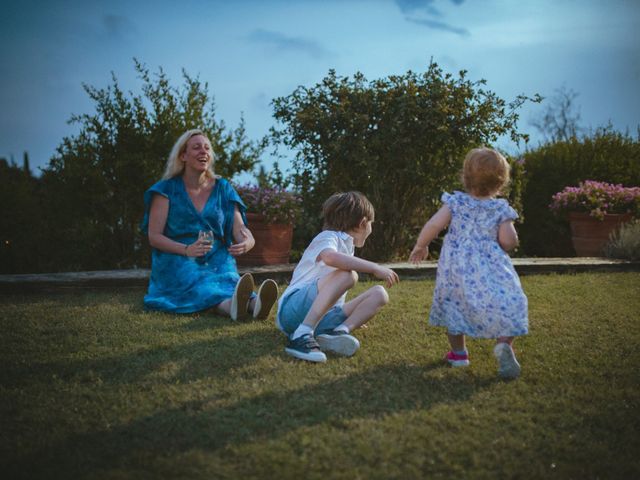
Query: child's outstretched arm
(507, 236)
(430, 231)
(348, 262)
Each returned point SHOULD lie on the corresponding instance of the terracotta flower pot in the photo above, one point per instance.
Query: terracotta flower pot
(589, 235)
(273, 242)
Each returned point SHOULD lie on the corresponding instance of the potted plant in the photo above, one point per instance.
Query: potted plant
(594, 210)
(271, 213)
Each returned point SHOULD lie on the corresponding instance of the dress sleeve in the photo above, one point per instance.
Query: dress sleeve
(160, 188)
(448, 199)
(507, 213)
(231, 200)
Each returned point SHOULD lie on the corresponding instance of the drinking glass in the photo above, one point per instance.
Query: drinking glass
(206, 237)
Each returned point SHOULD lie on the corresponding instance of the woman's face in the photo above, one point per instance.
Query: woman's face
(197, 154)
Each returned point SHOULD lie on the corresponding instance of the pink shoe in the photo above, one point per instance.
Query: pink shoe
(456, 360)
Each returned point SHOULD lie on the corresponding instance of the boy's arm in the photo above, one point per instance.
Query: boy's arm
(346, 262)
(430, 231)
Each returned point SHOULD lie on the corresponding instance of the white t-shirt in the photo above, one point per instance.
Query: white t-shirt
(311, 269)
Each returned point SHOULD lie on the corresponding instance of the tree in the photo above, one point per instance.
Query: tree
(400, 140)
(96, 180)
(25, 163)
(21, 243)
(561, 118)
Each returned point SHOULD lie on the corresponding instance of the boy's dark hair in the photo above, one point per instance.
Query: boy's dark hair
(344, 211)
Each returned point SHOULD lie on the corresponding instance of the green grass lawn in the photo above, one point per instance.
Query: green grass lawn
(94, 387)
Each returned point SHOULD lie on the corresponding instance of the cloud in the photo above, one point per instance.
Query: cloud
(260, 101)
(436, 25)
(419, 11)
(117, 26)
(284, 43)
(410, 7)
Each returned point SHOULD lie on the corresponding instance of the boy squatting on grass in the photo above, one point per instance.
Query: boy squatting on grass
(478, 292)
(312, 311)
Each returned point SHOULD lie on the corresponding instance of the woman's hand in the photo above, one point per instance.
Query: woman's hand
(244, 243)
(241, 235)
(198, 249)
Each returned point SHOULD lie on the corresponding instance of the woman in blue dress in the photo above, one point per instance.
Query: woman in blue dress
(188, 273)
(478, 292)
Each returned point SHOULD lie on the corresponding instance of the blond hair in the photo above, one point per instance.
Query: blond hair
(485, 172)
(344, 211)
(175, 166)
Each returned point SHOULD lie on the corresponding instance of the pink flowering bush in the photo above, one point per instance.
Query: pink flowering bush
(276, 204)
(597, 199)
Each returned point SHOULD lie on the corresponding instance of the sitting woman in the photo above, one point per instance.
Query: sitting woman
(190, 272)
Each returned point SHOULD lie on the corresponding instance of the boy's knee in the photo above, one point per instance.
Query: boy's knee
(349, 277)
(380, 294)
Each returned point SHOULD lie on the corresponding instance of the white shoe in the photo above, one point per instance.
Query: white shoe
(508, 366)
(240, 298)
(339, 342)
(267, 296)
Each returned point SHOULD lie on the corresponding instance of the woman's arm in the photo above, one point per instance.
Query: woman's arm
(431, 229)
(157, 239)
(507, 236)
(242, 236)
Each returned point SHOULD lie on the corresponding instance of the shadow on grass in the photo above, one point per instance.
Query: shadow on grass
(208, 319)
(203, 425)
(187, 362)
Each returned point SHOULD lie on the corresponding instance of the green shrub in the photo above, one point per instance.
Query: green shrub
(400, 140)
(94, 184)
(625, 243)
(605, 156)
(21, 220)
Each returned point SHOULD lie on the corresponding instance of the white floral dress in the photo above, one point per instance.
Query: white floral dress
(478, 292)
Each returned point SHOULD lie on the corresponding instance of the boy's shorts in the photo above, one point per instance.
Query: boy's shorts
(296, 306)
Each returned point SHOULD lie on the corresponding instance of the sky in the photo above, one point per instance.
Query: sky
(251, 51)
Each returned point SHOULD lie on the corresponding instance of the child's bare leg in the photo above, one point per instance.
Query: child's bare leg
(224, 307)
(457, 342)
(330, 289)
(362, 308)
(507, 340)
(458, 356)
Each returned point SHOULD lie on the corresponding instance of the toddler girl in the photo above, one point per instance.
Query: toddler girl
(478, 292)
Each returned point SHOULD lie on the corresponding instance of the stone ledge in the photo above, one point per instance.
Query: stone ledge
(42, 282)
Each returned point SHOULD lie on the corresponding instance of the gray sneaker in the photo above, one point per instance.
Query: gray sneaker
(338, 342)
(508, 366)
(305, 348)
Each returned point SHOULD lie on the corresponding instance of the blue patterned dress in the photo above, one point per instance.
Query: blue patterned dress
(185, 284)
(478, 292)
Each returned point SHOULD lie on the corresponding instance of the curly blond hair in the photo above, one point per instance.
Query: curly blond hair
(485, 172)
